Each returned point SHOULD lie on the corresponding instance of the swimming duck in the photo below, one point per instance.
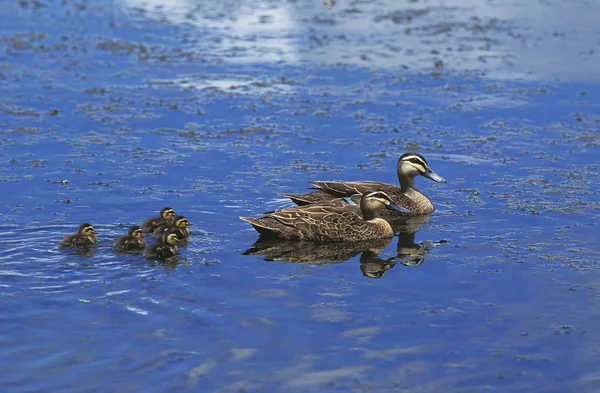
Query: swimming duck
(85, 236)
(165, 248)
(166, 217)
(179, 227)
(346, 222)
(134, 240)
(407, 195)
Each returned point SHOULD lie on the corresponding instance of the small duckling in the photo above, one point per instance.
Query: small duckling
(165, 248)
(179, 227)
(85, 236)
(166, 217)
(134, 240)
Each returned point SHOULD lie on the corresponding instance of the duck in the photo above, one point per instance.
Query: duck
(166, 217)
(165, 248)
(134, 240)
(179, 227)
(344, 222)
(407, 195)
(85, 236)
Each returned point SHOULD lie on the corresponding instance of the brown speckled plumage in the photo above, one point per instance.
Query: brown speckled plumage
(345, 222)
(407, 195)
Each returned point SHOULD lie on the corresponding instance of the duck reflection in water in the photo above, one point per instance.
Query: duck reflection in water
(372, 265)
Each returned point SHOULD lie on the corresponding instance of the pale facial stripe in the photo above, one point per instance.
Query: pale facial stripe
(422, 163)
(380, 196)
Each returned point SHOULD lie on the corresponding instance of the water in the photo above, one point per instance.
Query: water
(112, 110)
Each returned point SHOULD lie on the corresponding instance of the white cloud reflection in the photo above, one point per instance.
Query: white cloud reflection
(500, 39)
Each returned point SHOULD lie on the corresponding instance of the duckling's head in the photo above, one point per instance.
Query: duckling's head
(86, 229)
(167, 213)
(135, 231)
(170, 238)
(414, 164)
(182, 222)
(373, 201)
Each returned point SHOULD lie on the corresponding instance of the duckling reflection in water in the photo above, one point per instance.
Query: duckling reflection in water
(179, 227)
(407, 195)
(85, 236)
(134, 240)
(165, 248)
(166, 217)
(330, 223)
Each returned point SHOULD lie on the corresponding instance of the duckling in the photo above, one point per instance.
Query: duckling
(134, 240)
(85, 236)
(179, 227)
(165, 248)
(166, 217)
(345, 222)
(407, 195)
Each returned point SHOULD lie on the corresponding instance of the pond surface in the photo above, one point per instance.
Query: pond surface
(111, 110)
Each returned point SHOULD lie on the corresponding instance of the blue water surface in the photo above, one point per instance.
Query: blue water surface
(111, 110)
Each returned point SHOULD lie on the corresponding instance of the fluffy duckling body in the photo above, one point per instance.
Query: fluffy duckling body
(165, 248)
(179, 227)
(166, 218)
(85, 236)
(134, 240)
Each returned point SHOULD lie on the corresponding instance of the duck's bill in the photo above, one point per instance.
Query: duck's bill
(398, 208)
(433, 176)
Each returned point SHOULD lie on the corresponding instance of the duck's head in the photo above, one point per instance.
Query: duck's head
(135, 231)
(182, 222)
(86, 229)
(167, 214)
(414, 164)
(170, 238)
(373, 201)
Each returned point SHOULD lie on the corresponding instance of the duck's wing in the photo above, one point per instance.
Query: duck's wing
(321, 222)
(349, 188)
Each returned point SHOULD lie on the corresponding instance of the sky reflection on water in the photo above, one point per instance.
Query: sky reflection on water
(500, 40)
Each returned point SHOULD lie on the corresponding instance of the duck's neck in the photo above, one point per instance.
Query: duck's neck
(369, 214)
(406, 183)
